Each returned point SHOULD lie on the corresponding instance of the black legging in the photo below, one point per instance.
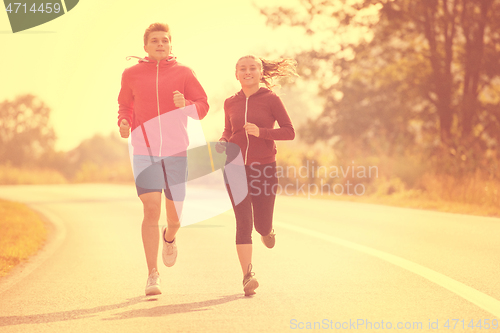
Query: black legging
(262, 185)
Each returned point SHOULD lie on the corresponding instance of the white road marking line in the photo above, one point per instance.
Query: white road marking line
(474, 296)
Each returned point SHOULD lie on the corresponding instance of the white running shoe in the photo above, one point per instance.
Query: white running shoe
(169, 252)
(153, 284)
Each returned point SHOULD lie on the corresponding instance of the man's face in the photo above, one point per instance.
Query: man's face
(158, 46)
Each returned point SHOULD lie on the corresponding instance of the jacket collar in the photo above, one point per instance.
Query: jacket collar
(170, 60)
(262, 90)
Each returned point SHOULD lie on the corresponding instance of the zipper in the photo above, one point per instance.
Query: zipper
(158, 106)
(246, 133)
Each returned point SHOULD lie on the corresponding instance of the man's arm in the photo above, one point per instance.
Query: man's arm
(194, 94)
(125, 102)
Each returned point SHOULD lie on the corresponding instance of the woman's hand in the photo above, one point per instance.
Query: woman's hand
(220, 146)
(252, 129)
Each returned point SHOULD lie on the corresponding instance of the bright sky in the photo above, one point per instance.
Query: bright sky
(74, 63)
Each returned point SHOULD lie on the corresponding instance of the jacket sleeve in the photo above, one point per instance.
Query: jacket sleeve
(228, 129)
(125, 101)
(194, 94)
(285, 130)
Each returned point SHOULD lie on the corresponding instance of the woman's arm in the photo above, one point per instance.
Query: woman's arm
(285, 130)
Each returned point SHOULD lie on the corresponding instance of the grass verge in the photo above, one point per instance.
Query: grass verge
(414, 199)
(23, 233)
(10, 175)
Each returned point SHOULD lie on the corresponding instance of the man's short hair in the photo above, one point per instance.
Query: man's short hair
(157, 27)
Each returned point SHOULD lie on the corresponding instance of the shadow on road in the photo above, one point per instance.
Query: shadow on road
(87, 313)
(164, 310)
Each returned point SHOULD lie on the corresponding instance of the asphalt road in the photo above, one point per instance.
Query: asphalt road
(336, 265)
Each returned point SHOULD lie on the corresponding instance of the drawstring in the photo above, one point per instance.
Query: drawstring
(140, 59)
(170, 58)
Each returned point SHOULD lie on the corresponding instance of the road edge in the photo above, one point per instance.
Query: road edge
(476, 297)
(56, 234)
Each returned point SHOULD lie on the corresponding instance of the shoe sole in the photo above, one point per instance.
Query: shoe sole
(170, 264)
(250, 287)
(154, 290)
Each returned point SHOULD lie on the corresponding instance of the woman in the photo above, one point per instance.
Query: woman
(250, 116)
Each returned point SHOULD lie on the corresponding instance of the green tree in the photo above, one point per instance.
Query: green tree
(100, 158)
(101, 150)
(417, 73)
(25, 132)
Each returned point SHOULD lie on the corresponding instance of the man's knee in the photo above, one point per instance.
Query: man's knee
(152, 212)
(152, 207)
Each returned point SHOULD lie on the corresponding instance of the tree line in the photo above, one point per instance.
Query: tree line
(395, 77)
(27, 140)
(399, 76)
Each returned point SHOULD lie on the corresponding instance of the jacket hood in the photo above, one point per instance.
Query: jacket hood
(171, 58)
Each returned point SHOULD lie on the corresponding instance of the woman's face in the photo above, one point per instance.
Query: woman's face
(248, 72)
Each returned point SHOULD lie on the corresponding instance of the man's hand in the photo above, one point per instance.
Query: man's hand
(179, 100)
(124, 128)
(252, 129)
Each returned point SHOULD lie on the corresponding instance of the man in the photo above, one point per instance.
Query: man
(156, 97)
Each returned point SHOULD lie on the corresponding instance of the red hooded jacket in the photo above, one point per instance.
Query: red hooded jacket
(158, 127)
(264, 108)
